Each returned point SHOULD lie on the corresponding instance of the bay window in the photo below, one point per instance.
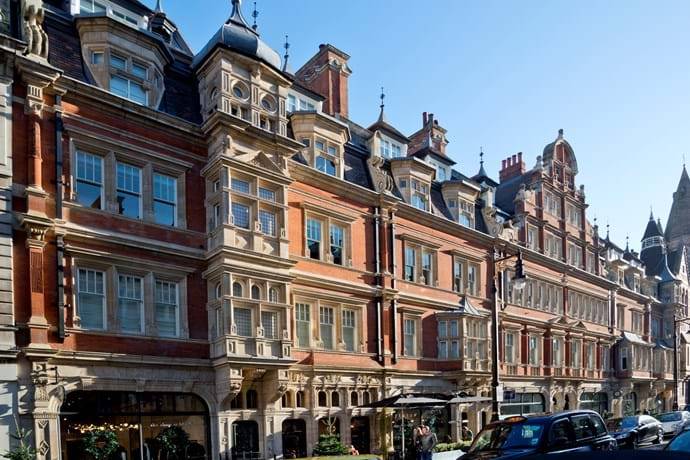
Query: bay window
(127, 79)
(243, 321)
(448, 339)
(268, 222)
(240, 215)
(269, 321)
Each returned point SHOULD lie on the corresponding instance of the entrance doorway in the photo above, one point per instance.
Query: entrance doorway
(359, 432)
(294, 438)
(245, 436)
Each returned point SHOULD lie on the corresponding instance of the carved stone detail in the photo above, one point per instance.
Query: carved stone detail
(383, 182)
(34, 35)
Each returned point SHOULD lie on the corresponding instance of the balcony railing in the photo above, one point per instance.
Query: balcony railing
(237, 346)
(511, 369)
(535, 371)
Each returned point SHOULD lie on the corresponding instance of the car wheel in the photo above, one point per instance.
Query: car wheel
(659, 437)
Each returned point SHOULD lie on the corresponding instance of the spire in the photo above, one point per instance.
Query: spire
(159, 7)
(678, 223)
(286, 64)
(382, 115)
(627, 243)
(651, 213)
(255, 14)
(236, 15)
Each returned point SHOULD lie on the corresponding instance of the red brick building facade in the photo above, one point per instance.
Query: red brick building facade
(207, 242)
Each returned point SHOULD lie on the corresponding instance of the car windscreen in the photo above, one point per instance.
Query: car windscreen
(670, 417)
(616, 424)
(522, 435)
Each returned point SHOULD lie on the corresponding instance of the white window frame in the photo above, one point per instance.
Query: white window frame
(104, 301)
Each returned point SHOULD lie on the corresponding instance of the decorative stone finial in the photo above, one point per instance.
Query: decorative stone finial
(255, 14)
(236, 15)
(159, 7)
(286, 65)
(560, 133)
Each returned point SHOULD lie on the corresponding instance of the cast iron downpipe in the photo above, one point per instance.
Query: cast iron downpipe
(394, 308)
(377, 250)
(58, 215)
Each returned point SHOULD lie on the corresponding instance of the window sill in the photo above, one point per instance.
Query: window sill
(330, 352)
(123, 335)
(77, 206)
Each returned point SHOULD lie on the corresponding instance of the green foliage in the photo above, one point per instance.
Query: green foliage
(329, 444)
(173, 441)
(446, 446)
(23, 451)
(100, 444)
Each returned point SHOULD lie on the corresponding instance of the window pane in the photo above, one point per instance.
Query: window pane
(137, 93)
(91, 299)
(139, 70)
(302, 316)
(118, 62)
(314, 238)
(89, 180)
(243, 321)
(239, 185)
(336, 236)
(268, 222)
(166, 308)
(130, 303)
(325, 165)
(240, 215)
(269, 321)
(164, 188)
(119, 86)
(266, 194)
(326, 327)
(349, 329)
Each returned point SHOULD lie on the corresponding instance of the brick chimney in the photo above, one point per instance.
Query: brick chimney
(431, 135)
(327, 73)
(512, 167)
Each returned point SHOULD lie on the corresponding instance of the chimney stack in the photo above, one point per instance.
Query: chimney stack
(511, 167)
(327, 73)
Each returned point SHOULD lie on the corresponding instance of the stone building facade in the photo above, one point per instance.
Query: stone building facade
(207, 241)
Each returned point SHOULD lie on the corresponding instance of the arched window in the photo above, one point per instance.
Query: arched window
(335, 399)
(237, 289)
(236, 402)
(219, 290)
(252, 399)
(367, 397)
(299, 399)
(256, 292)
(323, 399)
(286, 400)
(273, 295)
(354, 399)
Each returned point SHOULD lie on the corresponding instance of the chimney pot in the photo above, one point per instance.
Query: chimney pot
(424, 118)
(519, 156)
(503, 164)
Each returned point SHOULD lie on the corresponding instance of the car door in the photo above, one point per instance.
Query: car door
(561, 437)
(650, 428)
(601, 439)
(584, 432)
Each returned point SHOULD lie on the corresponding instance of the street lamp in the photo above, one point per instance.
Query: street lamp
(519, 282)
(676, 321)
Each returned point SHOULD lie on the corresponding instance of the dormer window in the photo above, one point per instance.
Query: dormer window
(420, 195)
(295, 103)
(91, 6)
(389, 149)
(127, 79)
(466, 213)
(325, 157)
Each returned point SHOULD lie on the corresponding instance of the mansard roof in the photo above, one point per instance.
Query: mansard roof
(507, 190)
(678, 224)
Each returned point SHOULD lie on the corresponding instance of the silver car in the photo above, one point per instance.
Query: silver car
(674, 422)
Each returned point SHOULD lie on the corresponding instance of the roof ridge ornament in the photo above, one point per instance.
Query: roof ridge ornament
(159, 7)
(255, 14)
(382, 116)
(286, 65)
(236, 14)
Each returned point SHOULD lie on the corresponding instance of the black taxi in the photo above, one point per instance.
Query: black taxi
(526, 437)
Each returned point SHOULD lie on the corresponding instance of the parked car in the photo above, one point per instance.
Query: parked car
(680, 442)
(634, 430)
(674, 422)
(528, 437)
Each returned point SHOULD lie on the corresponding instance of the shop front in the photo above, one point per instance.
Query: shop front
(136, 426)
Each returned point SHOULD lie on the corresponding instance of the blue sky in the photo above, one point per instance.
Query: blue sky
(504, 75)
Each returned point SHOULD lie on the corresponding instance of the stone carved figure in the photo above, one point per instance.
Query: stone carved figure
(36, 38)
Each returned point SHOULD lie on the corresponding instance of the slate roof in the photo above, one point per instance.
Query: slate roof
(653, 228)
(678, 223)
(423, 152)
(506, 191)
(181, 97)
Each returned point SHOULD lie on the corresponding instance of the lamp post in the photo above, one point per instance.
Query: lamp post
(676, 321)
(519, 281)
